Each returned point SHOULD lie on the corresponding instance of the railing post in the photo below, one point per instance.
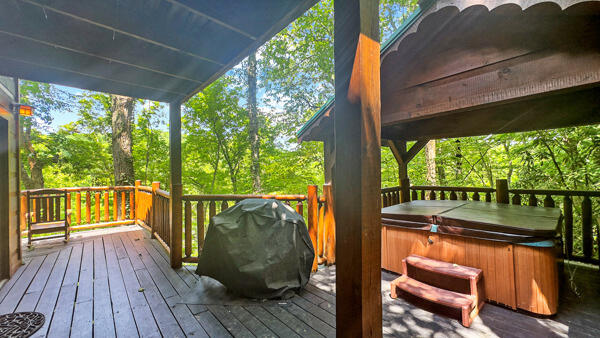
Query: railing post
(313, 218)
(404, 190)
(154, 213)
(502, 191)
(24, 212)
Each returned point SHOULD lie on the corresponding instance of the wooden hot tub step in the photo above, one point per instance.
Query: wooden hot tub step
(444, 275)
(448, 303)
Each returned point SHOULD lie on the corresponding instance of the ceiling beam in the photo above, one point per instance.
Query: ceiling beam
(114, 29)
(213, 19)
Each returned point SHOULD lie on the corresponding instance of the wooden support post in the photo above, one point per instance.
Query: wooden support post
(176, 187)
(313, 219)
(502, 192)
(153, 209)
(115, 205)
(357, 172)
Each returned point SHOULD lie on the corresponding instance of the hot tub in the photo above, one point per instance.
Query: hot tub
(515, 246)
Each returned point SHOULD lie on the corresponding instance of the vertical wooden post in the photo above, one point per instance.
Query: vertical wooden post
(23, 211)
(188, 228)
(154, 209)
(357, 173)
(200, 225)
(115, 205)
(329, 225)
(137, 199)
(176, 188)
(502, 192)
(88, 207)
(568, 212)
(68, 216)
(78, 207)
(586, 227)
(313, 218)
(97, 206)
(132, 204)
(106, 209)
(123, 205)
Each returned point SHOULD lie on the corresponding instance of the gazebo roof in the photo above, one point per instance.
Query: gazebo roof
(464, 68)
(164, 50)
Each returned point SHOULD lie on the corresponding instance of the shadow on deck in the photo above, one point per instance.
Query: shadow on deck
(119, 282)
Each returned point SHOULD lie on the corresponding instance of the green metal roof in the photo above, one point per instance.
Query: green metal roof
(406, 24)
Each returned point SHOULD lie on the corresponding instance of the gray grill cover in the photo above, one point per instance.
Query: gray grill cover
(259, 249)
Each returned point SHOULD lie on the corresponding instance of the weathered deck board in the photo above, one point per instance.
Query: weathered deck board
(92, 285)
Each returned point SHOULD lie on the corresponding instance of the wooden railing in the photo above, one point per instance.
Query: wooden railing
(580, 209)
(92, 207)
(577, 208)
(199, 209)
(149, 207)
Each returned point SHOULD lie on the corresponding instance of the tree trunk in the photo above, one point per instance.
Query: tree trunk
(430, 161)
(253, 125)
(35, 178)
(122, 118)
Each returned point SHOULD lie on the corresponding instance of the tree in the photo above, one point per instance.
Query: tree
(122, 118)
(253, 125)
(35, 154)
(216, 113)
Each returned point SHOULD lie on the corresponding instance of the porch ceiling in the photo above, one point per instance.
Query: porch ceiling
(163, 50)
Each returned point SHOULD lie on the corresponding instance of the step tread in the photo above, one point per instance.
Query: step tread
(445, 268)
(434, 294)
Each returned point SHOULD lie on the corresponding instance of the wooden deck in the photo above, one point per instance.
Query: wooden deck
(119, 282)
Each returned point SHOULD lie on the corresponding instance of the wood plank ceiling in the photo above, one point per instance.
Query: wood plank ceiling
(164, 50)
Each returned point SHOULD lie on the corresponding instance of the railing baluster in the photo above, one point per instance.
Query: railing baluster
(97, 205)
(69, 215)
(548, 202)
(533, 200)
(78, 207)
(568, 212)
(88, 207)
(442, 195)
(432, 195)
(422, 195)
(586, 227)
(300, 208)
(115, 205)
(123, 207)
(200, 225)
(414, 195)
(476, 196)
(516, 199)
(453, 196)
(224, 206)
(488, 196)
(50, 209)
(131, 204)
(212, 209)
(106, 210)
(188, 229)
(464, 196)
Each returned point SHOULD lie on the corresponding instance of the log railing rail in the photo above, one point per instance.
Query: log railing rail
(580, 210)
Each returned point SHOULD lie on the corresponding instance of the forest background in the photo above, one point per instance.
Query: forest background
(239, 133)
